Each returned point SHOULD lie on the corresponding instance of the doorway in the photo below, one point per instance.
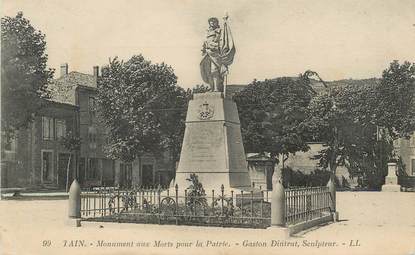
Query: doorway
(147, 175)
(63, 159)
(47, 167)
(269, 172)
(126, 175)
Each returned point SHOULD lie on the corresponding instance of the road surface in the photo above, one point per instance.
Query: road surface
(371, 223)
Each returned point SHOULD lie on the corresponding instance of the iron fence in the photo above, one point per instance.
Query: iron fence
(162, 205)
(407, 182)
(304, 204)
(173, 206)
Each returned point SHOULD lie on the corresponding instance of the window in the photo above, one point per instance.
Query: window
(82, 170)
(147, 177)
(47, 166)
(381, 133)
(92, 138)
(92, 107)
(413, 166)
(48, 128)
(126, 174)
(92, 168)
(60, 128)
(412, 140)
(9, 142)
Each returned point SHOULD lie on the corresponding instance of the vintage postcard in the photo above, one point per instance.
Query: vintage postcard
(210, 127)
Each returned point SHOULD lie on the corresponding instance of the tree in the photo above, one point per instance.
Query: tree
(172, 122)
(200, 89)
(396, 99)
(195, 193)
(344, 120)
(73, 144)
(348, 120)
(24, 76)
(271, 114)
(142, 107)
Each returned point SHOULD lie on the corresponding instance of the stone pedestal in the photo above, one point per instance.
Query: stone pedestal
(391, 180)
(212, 145)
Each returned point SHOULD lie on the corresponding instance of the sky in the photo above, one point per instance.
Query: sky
(340, 39)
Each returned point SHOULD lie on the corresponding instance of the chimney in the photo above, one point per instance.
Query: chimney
(96, 71)
(96, 74)
(64, 69)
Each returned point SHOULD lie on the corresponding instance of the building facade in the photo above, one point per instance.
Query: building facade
(405, 148)
(261, 167)
(36, 157)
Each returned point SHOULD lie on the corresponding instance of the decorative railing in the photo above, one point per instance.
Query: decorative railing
(173, 206)
(304, 204)
(407, 182)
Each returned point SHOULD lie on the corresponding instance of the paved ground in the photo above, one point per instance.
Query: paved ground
(379, 223)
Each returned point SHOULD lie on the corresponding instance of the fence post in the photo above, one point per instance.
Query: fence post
(332, 189)
(277, 202)
(74, 205)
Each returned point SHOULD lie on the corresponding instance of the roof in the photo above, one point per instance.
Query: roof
(233, 88)
(60, 104)
(258, 157)
(63, 89)
(86, 87)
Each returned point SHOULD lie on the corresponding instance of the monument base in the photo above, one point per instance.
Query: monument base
(215, 181)
(212, 146)
(244, 194)
(391, 188)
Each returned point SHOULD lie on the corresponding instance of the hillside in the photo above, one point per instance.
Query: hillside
(317, 85)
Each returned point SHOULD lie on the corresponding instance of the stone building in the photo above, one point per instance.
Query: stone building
(94, 168)
(35, 157)
(405, 148)
(261, 167)
(38, 160)
(79, 89)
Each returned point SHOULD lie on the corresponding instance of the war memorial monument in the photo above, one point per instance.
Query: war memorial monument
(212, 145)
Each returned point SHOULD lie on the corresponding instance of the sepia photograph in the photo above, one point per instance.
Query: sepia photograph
(207, 127)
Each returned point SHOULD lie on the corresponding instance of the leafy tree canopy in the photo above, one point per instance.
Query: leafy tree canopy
(200, 89)
(271, 114)
(344, 120)
(142, 107)
(396, 99)
(24, 76)
(71, 142)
